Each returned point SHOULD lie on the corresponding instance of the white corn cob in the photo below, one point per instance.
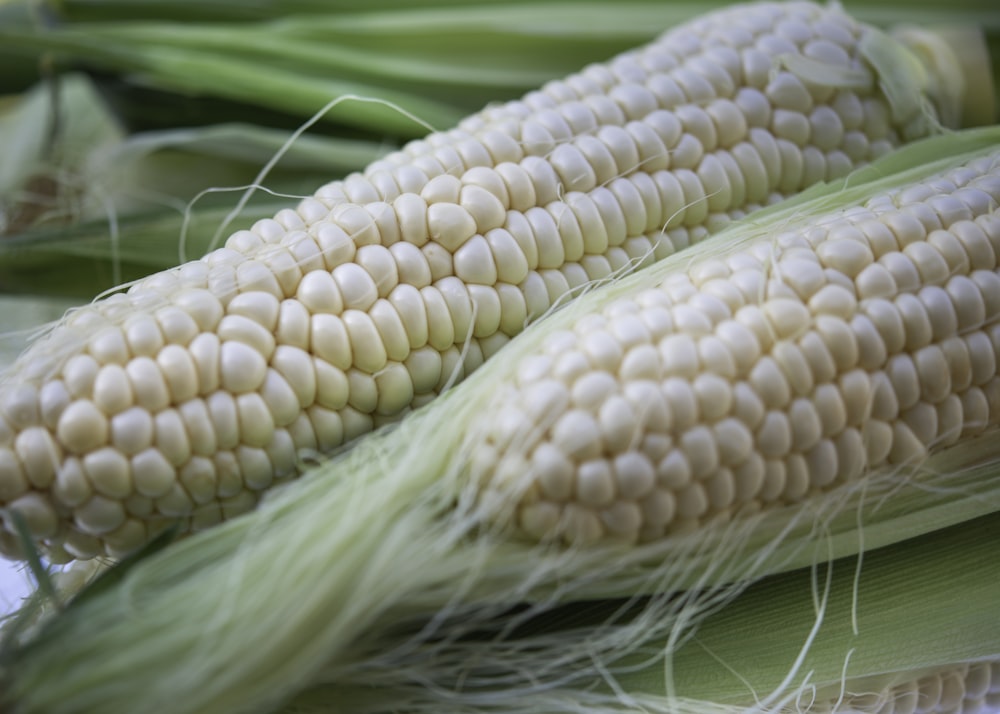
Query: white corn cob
(786, 368)
(186, 397)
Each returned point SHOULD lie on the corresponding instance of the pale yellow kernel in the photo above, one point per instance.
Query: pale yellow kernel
(734, 440)
(205, 350)
(902, 372)
(391, 330)
(721, 489)
(53, 397)
(99, 515)
(888, 322)
(109, 346)
(319, 292)
(539, 520)
(36, 513)
(357, 287)
(774, 479)
(741, 344)
(976, 244)
(774, 435)
(171, 437)
(922, 419)
(474, 262)
(143, 335)
(39, 454)
(692, 501)
(634, 475)
(929, 263)
(839, 339)
(71, 486)
(357, 223)
(411, 265)
(306, 253)
(487, 310)
(970, 309)
(395, 389)
(617, 420)
(109, 472)
(875, 281)
(256, 467)
(748, 407)
(593, 389)
(13, 483)
(450, 225)
(296, 367)
(940, 311)
(440, 326)
(336, 247)
(872, 351)
(623, 520)
(486, 209)
(82, 427)
(132, 430)
(258, 306)
(242, 368)
(177, 325)
(673, 472)
(508, 257)
(829, 405)
(714, 395)
(458, 306)
(906, 447)
(788, 318)
(595, 483)
(804, 276)
(577, 434)
(916, 321)
(877, 436)
(717, 357)
(443, 188)
(293, 324)
(679, 356)
(794, 366)
(518, 184)
(768, 380)
(424, 365)
(328, 427)
(362, 392)
(330, 341)
(658, 509)
(934, 373)
(797, 478)
(179, 371)
(332, 389)
(956, 354)
(153, 475)
(700, 450)
(228, 480)
(281, 400)
(378, 262)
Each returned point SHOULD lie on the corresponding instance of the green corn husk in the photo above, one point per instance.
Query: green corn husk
(440, 61)
(379, 572)
(85, 207)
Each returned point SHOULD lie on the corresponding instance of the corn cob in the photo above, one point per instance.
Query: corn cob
(186, 397)
(760, 378)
